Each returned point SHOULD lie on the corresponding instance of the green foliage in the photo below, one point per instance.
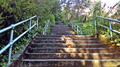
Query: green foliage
(44, 8)
(12, 12)
(52, 18)
(87, 27)
(97, 9)
(56, 11)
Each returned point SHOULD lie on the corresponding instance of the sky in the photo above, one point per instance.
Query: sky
(108, 2)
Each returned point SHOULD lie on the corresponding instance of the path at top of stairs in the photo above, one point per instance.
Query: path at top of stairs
(60, 29)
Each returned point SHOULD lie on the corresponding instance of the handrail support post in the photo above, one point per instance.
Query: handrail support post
(95, 26)
(30, 24)
(110, 29)
(46, 27)
(77, 30)
(37, 22)
(10, 49)
(81, 32)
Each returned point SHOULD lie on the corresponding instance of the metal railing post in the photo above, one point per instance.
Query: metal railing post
(72, 24)
(81, 32)
(37, 22)
(10, 49)
(66, 22)
(46, 27)
(95, 26)
(43, 31)
(30, 24)
(77, 30)
(110, 29)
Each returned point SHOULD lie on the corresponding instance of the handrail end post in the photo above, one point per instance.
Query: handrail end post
(95, 26)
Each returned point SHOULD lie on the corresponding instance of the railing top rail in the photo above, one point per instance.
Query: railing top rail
(110, 25)
(46, 27)
(107, 19)
(14, 25)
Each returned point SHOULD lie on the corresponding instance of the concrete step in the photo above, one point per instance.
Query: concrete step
(34, 45)
(61, 29)
(85, 44)
(65, 32)
(70, 62)
(55, 31)
(67, 41)
(72, 56)
(71, 50)
(69, 33)
(59, 26)
(65, 38)
(77, 36)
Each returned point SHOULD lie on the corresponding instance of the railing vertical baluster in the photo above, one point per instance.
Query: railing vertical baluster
(110, 29)
(46, 26)
(95, 26)
(77, 30)
(30, 24)
(66, 22)
(71, 23)
(37, 22)
(81, 32)
(10, 49)
(43, 31)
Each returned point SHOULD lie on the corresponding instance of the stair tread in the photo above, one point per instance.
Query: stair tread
(71, 60)
(77, 53)
(69, 43)
(69, 48)
(67, 35)
(67, 40)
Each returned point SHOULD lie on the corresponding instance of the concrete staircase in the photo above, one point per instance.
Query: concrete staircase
(62, 48)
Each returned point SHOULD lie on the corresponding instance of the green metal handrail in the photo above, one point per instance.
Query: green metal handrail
(110, 27)
(12, 41)
(46, 27)
(65, 21)
(76, 27)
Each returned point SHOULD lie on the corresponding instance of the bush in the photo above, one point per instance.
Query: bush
(52, 18)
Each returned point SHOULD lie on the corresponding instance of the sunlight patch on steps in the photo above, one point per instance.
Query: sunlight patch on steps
(69, 50)
(96, 63)
(95, 55)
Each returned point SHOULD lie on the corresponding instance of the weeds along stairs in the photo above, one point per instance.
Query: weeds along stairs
(62, 48)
